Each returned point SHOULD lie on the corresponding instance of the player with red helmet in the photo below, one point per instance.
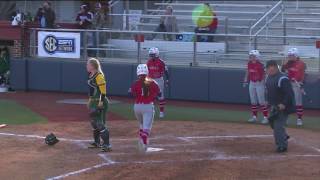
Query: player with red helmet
(145, 90)
(255, 76)
(159, 72)
(295, 68)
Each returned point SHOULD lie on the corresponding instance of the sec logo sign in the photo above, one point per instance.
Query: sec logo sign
(50, 44)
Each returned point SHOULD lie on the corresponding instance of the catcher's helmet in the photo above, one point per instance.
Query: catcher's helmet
(51, 139)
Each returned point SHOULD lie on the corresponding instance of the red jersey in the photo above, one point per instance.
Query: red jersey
(137, 92)
(214, 23)
(156, 68)
(255, 71)
(295, 70)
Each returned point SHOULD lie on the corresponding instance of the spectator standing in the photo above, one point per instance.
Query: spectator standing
(168, 23)
(99, 21)
(84, 17)
(46, 16)
(100, 18)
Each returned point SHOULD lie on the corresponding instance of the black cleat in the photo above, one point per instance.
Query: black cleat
(106, 148)
(288, 137)
(94, 145)
(281, 149)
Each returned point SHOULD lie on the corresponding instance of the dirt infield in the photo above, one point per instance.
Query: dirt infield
(188, 150)
(196, 151)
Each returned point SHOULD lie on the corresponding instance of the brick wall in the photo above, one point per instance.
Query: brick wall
(16, 49)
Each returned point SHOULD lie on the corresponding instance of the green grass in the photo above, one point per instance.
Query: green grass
(14, 113)
(203, 114)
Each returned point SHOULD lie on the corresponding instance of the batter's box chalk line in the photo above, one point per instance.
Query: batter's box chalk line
(187, 139)
(109, 162)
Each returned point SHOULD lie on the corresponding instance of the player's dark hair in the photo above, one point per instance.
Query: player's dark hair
(271, 63)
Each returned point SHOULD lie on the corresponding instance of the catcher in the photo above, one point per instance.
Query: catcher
(98, 105)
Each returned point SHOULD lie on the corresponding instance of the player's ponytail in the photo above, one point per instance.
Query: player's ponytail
(146, 87)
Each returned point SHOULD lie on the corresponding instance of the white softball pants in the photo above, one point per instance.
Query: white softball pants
(160, 82)
(145, 115)
(257, 93)
(297, 93)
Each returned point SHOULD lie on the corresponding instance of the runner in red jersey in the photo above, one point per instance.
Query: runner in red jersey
(159, 72)
(255, 76)
(145, 90)
(295, 68)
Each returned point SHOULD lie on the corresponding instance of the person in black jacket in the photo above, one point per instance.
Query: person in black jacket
(46, 16)
(281, 98)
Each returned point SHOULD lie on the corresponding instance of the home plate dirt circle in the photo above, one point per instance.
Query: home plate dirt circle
(82, 101)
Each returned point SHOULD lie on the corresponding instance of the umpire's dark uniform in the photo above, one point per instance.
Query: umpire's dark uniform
(279, 91)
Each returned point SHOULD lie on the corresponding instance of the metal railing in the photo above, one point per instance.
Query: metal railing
(217, 5)
(267, 20)
(194, 55)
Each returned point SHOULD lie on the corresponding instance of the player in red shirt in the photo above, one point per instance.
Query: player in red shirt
(255, 75)
(159, 72)
(295, 68)
(145, 90)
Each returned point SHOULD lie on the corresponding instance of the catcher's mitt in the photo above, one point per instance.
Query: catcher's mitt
(51, 139)
(274, 113)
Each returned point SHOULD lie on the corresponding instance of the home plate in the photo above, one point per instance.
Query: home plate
(150, 149)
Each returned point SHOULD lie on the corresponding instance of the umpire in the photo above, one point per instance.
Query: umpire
(281, 98)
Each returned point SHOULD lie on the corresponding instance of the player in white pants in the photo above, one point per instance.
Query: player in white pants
(295, 68)
(145, 90)
(159, 72)
(255, 76)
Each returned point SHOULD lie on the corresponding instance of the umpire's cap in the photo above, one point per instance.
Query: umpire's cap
(272, 63)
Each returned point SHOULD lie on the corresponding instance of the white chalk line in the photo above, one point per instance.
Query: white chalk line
(106, 158)
(228, 136)
(315, 148)
(187, 138)
(109, 162)
(78, 171)
(305, 145)
(164, 152)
